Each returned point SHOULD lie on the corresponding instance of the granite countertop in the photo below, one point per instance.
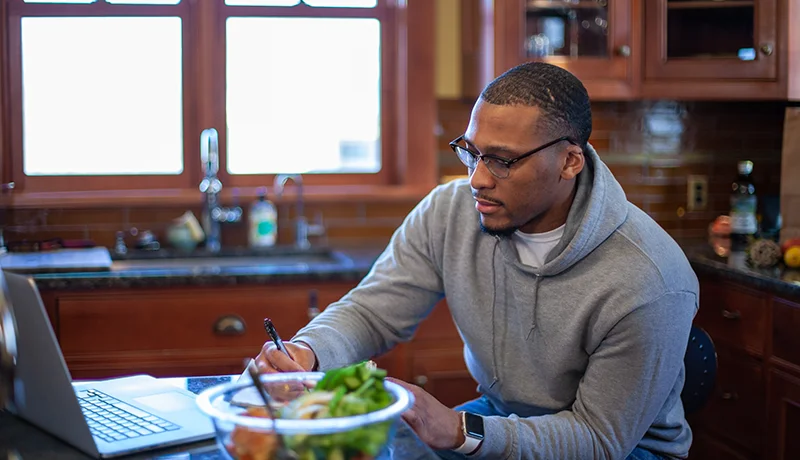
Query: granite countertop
(351, 265)
(778, 280)
(20, 440)
(164, 269)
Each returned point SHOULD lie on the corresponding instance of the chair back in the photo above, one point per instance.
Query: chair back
(700, 363)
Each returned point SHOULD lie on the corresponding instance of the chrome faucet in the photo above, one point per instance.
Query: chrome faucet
(301, 227)
(213, 213)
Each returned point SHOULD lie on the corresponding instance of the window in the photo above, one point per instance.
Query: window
(303, 95)
(84, 100)
(113, 94)
(98, 93)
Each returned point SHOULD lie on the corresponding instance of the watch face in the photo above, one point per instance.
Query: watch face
(473, 424)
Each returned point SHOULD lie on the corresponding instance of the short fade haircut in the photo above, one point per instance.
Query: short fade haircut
(561, 97)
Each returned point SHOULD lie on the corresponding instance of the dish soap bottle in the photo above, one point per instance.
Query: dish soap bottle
(744, 224)
(263, 219)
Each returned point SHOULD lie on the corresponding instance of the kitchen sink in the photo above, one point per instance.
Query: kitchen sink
(234, 260)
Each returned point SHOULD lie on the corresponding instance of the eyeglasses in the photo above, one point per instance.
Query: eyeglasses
(499, 167)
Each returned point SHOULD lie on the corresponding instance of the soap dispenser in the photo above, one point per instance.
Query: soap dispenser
(263, 219)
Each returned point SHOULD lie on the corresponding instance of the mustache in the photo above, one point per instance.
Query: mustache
(478, 196)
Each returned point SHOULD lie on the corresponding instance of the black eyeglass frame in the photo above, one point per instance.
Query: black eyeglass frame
(505, 162)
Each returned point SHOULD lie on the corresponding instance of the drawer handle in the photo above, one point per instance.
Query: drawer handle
(230, 325)
(729, 396)
(727, 314)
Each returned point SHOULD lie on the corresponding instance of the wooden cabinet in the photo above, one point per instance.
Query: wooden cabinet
(754, 411)
(190, 331)
(784, 407)
(594, 39)
(727, 48)
(784, 387)
(177, 332)
(652, 49)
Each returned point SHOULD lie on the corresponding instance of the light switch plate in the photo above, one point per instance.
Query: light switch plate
(697, 193)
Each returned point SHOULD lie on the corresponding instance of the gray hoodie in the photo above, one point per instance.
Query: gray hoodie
(584, 355)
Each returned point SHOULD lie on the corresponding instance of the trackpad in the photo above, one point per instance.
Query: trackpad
(171, 401)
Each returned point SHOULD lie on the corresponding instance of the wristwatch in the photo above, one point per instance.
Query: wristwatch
(472, 427)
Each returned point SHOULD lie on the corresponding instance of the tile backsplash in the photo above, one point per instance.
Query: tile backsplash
(651, 146)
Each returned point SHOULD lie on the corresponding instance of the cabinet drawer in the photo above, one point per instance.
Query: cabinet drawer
(194, 319)
(785, 327)
(736, 409)
(733, 316)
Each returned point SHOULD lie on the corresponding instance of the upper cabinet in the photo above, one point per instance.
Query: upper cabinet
(591, 38)
(631, 49)
(714, 48)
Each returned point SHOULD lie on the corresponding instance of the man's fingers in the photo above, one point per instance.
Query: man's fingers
(411, 417)
(280, 361)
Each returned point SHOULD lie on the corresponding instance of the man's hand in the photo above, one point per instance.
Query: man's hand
(437, 425)
(271, 360)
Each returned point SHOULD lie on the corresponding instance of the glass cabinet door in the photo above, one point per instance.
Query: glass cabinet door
(590, 38)
(571, 29)
(719, 39)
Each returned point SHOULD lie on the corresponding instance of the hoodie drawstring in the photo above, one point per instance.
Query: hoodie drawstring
(494, 308)
(535, 303)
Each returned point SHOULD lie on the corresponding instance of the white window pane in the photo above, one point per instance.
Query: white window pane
(343, 3)
(303, 95)
(59, 1)
(101, 96)
(144, 2)
(262, 2)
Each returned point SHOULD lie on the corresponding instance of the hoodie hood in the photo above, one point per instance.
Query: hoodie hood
(597, 211)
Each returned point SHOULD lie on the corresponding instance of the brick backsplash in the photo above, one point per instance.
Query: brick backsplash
(651, 146)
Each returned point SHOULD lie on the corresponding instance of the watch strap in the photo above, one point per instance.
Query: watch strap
(470, 443)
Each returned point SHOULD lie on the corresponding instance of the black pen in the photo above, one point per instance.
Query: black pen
(273, 334)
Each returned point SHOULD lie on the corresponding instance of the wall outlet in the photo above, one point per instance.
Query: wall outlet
(697, 193)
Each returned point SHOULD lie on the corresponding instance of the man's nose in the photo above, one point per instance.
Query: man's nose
(480, 177)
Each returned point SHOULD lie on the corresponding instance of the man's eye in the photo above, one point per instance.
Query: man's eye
(495, 162)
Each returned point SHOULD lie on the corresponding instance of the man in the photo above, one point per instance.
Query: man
(574, 306)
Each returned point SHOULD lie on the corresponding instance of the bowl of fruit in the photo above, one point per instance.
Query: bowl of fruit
(350, 413)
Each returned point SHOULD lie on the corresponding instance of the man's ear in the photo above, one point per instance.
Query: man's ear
(573, 164)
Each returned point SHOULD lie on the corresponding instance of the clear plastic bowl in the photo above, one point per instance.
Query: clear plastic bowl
(244, 437)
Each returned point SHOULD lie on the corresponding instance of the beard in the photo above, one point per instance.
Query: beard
(503, 231)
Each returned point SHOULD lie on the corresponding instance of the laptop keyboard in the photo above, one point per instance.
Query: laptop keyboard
(112, 420)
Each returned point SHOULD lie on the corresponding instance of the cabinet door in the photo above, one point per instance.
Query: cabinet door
(178, 332)
(720, 40)
(784, 417)
(735, 411)
(590, 38)
(443, 373)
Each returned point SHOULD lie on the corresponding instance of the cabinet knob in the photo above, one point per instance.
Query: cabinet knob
(7, 186)
(230, 325)
(727, 314)
(420, 380)
(766, 49)
(624, 50)
(729, 396)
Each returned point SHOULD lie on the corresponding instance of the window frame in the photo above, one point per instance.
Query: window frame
(382, 12)
(408, 116)
(16, 11)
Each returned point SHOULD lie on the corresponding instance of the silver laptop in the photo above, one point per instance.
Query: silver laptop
(104, 419)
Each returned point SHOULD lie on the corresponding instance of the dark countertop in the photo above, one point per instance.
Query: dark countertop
(733, 267)
(353, 264)
(20, 440)
(348, 265)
